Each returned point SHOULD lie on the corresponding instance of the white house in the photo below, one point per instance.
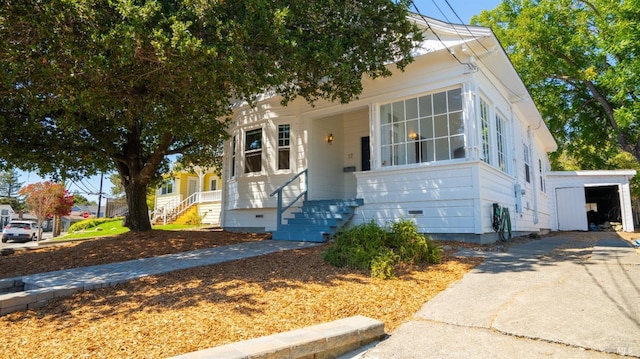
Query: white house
(440, 143)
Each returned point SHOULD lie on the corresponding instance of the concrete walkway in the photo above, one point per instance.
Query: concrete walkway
(109, 274)
(34, 291)
(532, 302)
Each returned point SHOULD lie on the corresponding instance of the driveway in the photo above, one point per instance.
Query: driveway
(567, 296)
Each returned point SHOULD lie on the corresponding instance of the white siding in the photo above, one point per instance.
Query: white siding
(325, 175)
(443, 193)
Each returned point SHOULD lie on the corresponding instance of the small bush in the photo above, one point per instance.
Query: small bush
(90, 223)
(369, 246)
(383, 266)
(193, 219)
(357, 246)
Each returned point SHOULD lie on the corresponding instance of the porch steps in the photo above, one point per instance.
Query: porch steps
(175, 214)
(317, 220)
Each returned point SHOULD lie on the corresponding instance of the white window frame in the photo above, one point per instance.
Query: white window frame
(485, 130)
(283, 144)
(527, 163)
(248, 152)
(167, 188)
(541, 169)
(213, 184)
(416, 130)
(502, 142)
(234, 156)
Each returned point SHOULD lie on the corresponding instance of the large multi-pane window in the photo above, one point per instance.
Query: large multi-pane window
(423, 129)
(284, 146)
(486, 134)
(501, 140)
(253, 151)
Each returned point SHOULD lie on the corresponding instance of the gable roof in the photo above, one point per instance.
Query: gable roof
(478, 48)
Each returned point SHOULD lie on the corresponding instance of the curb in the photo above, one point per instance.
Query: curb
(327, 340)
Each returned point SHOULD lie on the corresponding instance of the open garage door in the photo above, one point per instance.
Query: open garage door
(571, 205)
(603, 205)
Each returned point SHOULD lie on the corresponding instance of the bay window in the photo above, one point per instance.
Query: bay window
(423, 129)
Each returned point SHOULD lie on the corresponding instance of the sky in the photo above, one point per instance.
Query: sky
(465, 9)
(439, 9)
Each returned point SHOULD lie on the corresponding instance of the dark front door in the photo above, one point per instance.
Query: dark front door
(366, 153)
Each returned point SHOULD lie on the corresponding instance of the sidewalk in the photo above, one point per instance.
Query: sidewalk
(531, 303)
(114, 273)
(36, 290)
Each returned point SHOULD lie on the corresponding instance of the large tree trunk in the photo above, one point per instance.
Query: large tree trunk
(137, 219)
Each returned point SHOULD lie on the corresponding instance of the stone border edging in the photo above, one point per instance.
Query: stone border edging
(327, 340)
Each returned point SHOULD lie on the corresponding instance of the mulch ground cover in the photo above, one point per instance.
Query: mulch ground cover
(194, 309)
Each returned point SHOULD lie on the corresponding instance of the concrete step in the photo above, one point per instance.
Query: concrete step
(327, 340)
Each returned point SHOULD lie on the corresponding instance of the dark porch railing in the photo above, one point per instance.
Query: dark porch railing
(278, 191)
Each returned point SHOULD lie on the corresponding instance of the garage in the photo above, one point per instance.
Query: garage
(590, 200)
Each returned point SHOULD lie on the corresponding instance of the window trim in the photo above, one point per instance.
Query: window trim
(397, 148)
(527, 162)
(485, 124)
(234, 156)
(167, 188)
(253, 153)
(543, 185)
(502, 142)
(286, 147)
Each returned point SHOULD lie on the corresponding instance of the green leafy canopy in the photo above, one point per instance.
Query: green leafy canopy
(95, 85)
(580, 60)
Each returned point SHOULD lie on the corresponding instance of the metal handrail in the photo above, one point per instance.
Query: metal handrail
(278, 191)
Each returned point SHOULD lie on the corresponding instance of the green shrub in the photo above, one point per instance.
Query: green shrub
(357, 246)
(193, 219)
(383, 266)
(414, 247)
(90, 223)
(370, 247)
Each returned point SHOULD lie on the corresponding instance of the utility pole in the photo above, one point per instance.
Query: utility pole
(100, 195)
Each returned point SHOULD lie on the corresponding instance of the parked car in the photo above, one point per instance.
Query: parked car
(23, 231)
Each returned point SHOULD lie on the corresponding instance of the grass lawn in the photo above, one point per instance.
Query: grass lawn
(114, 228)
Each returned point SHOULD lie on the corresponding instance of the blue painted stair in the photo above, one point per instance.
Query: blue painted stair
(317, 220)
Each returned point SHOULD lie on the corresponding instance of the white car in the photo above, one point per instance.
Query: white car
(23, 231)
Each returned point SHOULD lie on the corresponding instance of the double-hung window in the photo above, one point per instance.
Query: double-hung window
(253, 151)
(234, 142)
(501, 140)
(284, 146)
(167, 187)
(541, 174)
(486, 134)
(423, 129)
(527, 163)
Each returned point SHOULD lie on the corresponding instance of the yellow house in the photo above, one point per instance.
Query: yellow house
(187, 196)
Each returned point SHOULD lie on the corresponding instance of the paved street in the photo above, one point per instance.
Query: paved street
(17, 245)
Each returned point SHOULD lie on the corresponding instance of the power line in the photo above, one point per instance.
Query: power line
(517, 95)
(465, 25)
(434, 33)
